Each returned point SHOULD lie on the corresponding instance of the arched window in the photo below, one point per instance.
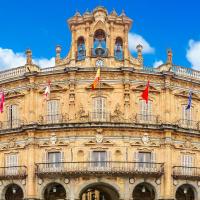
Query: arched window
(118, 51)
(81, 49)
(99, 45)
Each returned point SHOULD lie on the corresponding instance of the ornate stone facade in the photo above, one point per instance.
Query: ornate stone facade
(105, 143)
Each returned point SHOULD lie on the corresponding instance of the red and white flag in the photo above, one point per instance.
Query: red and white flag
(2, 100)
(47, 90)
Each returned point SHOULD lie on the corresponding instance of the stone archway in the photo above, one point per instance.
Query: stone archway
(54, 191)
(14, 192)
(185, 192)
(99, 191)
(144, 191)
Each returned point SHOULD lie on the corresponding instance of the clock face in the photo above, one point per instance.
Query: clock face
(99, 63)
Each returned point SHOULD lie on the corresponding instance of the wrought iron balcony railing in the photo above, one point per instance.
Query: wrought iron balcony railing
(12, 124)
(99, 117)
(182, 172)
(190, 124)
(52, 119)
(13, 172)
(103, 53)
(147, 119)
(98, 168)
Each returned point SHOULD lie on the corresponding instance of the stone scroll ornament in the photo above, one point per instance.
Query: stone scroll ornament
(2, 101)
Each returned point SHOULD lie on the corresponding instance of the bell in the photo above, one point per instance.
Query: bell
(81, 50)
(99, 51)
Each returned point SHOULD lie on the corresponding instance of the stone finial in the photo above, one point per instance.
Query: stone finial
(29, 57)
(123, 13)
(58, 51)
(139, 48)
(169, 56)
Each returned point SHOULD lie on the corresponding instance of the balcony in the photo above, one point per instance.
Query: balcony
(188, 173)
(68, 169)
(99, 117)
(52, 119)
(16, 123)
(14, 172)
(189, 124)
(102, 52)
(147, 119)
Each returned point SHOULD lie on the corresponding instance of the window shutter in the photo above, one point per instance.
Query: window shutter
(62, 157)
(14, 112)
(136, 157)
(153, 157)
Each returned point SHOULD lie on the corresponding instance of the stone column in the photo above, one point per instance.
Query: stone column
(31, 182)
(73, 46)
(168, 181)
(126, 52)
(111, 46)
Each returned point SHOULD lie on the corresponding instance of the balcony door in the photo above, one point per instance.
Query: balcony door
(99, 109)
(54, 160)
(145, 161)
(187, 163)
(186, 116)
(53, 111)
(12, 116)
(145, 111)
(11, 161)
(99, 159)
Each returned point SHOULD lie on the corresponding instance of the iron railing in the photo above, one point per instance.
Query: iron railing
(13, 172)
(12, 124)
(182, 172)
(99, 117)
(190, 124)
(94, 53)
(52, 119)
(147, 119)
(102, 167)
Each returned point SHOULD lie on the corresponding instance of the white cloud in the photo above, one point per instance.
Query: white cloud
(135, 39)
(9, 59)
(157, 63)
(193, 54)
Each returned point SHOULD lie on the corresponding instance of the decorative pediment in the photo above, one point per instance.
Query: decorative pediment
(185, 94)
(142, 87)
(54, 88)
(99, 139)
(186, 145)
(102, 86)
(53, 141)
(13, 94)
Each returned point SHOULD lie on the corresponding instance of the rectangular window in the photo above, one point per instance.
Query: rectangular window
(11, 161)
(99, 158)
(53, 111)
(99, 109)
(54, 158)
(12, 116)
(145, 111)
(145, 160)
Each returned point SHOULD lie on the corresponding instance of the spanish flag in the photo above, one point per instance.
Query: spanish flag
(96, 80)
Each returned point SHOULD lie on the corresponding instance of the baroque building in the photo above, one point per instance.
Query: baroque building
(102, 144)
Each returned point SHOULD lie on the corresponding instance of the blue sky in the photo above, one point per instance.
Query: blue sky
(41, 25)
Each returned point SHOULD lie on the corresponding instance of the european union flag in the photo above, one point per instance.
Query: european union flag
(189, 100)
